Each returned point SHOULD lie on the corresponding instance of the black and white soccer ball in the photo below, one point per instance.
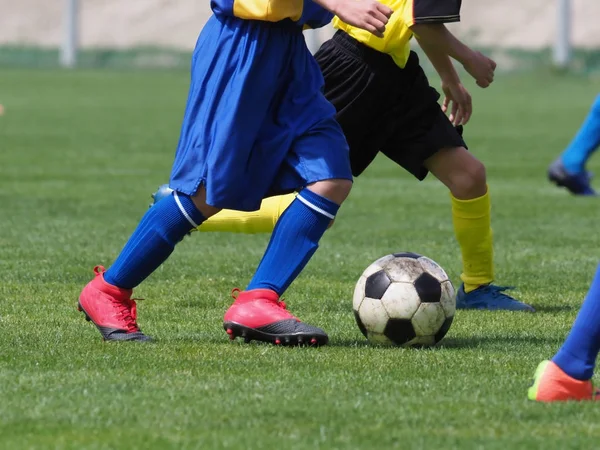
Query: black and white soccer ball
(404, 299)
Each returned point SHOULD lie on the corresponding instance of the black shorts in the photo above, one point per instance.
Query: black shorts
(384, 108)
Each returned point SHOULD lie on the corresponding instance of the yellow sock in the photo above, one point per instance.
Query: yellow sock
(472, 227)
(261, 221)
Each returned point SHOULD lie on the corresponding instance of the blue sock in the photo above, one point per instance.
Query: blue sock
(163, 226)
(585, 142)
(294, 240)
(577, 356)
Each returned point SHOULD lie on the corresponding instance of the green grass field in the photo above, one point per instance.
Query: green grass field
(80, 154)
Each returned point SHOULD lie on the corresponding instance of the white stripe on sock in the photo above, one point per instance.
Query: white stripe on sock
(315, 207)
(183, 211)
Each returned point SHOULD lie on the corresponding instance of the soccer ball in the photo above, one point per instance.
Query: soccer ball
(404, 299)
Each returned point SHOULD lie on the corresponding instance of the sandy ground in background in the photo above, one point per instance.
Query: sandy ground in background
(176, 23)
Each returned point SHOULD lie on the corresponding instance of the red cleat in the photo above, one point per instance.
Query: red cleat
(111, 309)
(259, 315)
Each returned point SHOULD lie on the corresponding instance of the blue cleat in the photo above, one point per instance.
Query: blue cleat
(489, 297)
(577, 184)
(162, 192)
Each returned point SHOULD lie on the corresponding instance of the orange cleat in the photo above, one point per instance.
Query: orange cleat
(551, 384)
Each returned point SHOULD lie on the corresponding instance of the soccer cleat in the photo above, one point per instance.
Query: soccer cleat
(162, 192)
(111, 309)
(259, 315)
(551, 384)
(490, 297)
(577, 184)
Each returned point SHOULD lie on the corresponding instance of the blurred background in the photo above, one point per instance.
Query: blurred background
(520, 34)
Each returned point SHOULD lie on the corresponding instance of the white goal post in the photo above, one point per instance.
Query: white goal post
(562, 43)
(68, 51)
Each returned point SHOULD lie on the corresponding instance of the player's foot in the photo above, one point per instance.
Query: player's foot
(162, 192)
(490, 297)
(551, 384)
(577, 184)
(111, 309)
(259, 315)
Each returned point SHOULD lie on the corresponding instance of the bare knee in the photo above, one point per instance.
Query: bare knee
(335, 190)
(470, 182)
(460, 171)
(199, 199)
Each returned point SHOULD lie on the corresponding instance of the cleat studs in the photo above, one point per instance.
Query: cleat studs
(80, 309)
(313, 341)
(246, 338)
(300, 341)
(287, 340)
(229, 331)
(277, 341)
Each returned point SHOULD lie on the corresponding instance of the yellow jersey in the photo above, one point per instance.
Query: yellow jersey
(396, 40)
(306, 13)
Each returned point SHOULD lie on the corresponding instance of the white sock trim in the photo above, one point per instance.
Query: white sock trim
(315, 207)
(183, 211)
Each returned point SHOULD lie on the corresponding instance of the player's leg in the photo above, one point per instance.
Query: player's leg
(567, 376)
(427, 141)
(257, 313)
(306, 220)
(465, 177)
(318, 160)
(585, 143)
(569, 170)
(106, 300)
(261, 221)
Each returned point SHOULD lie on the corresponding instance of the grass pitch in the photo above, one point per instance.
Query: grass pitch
(80, 154)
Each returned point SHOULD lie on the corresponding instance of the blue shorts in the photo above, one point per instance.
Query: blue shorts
(256, 122)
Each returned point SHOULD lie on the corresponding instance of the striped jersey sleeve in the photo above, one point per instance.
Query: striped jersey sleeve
(431, 11)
